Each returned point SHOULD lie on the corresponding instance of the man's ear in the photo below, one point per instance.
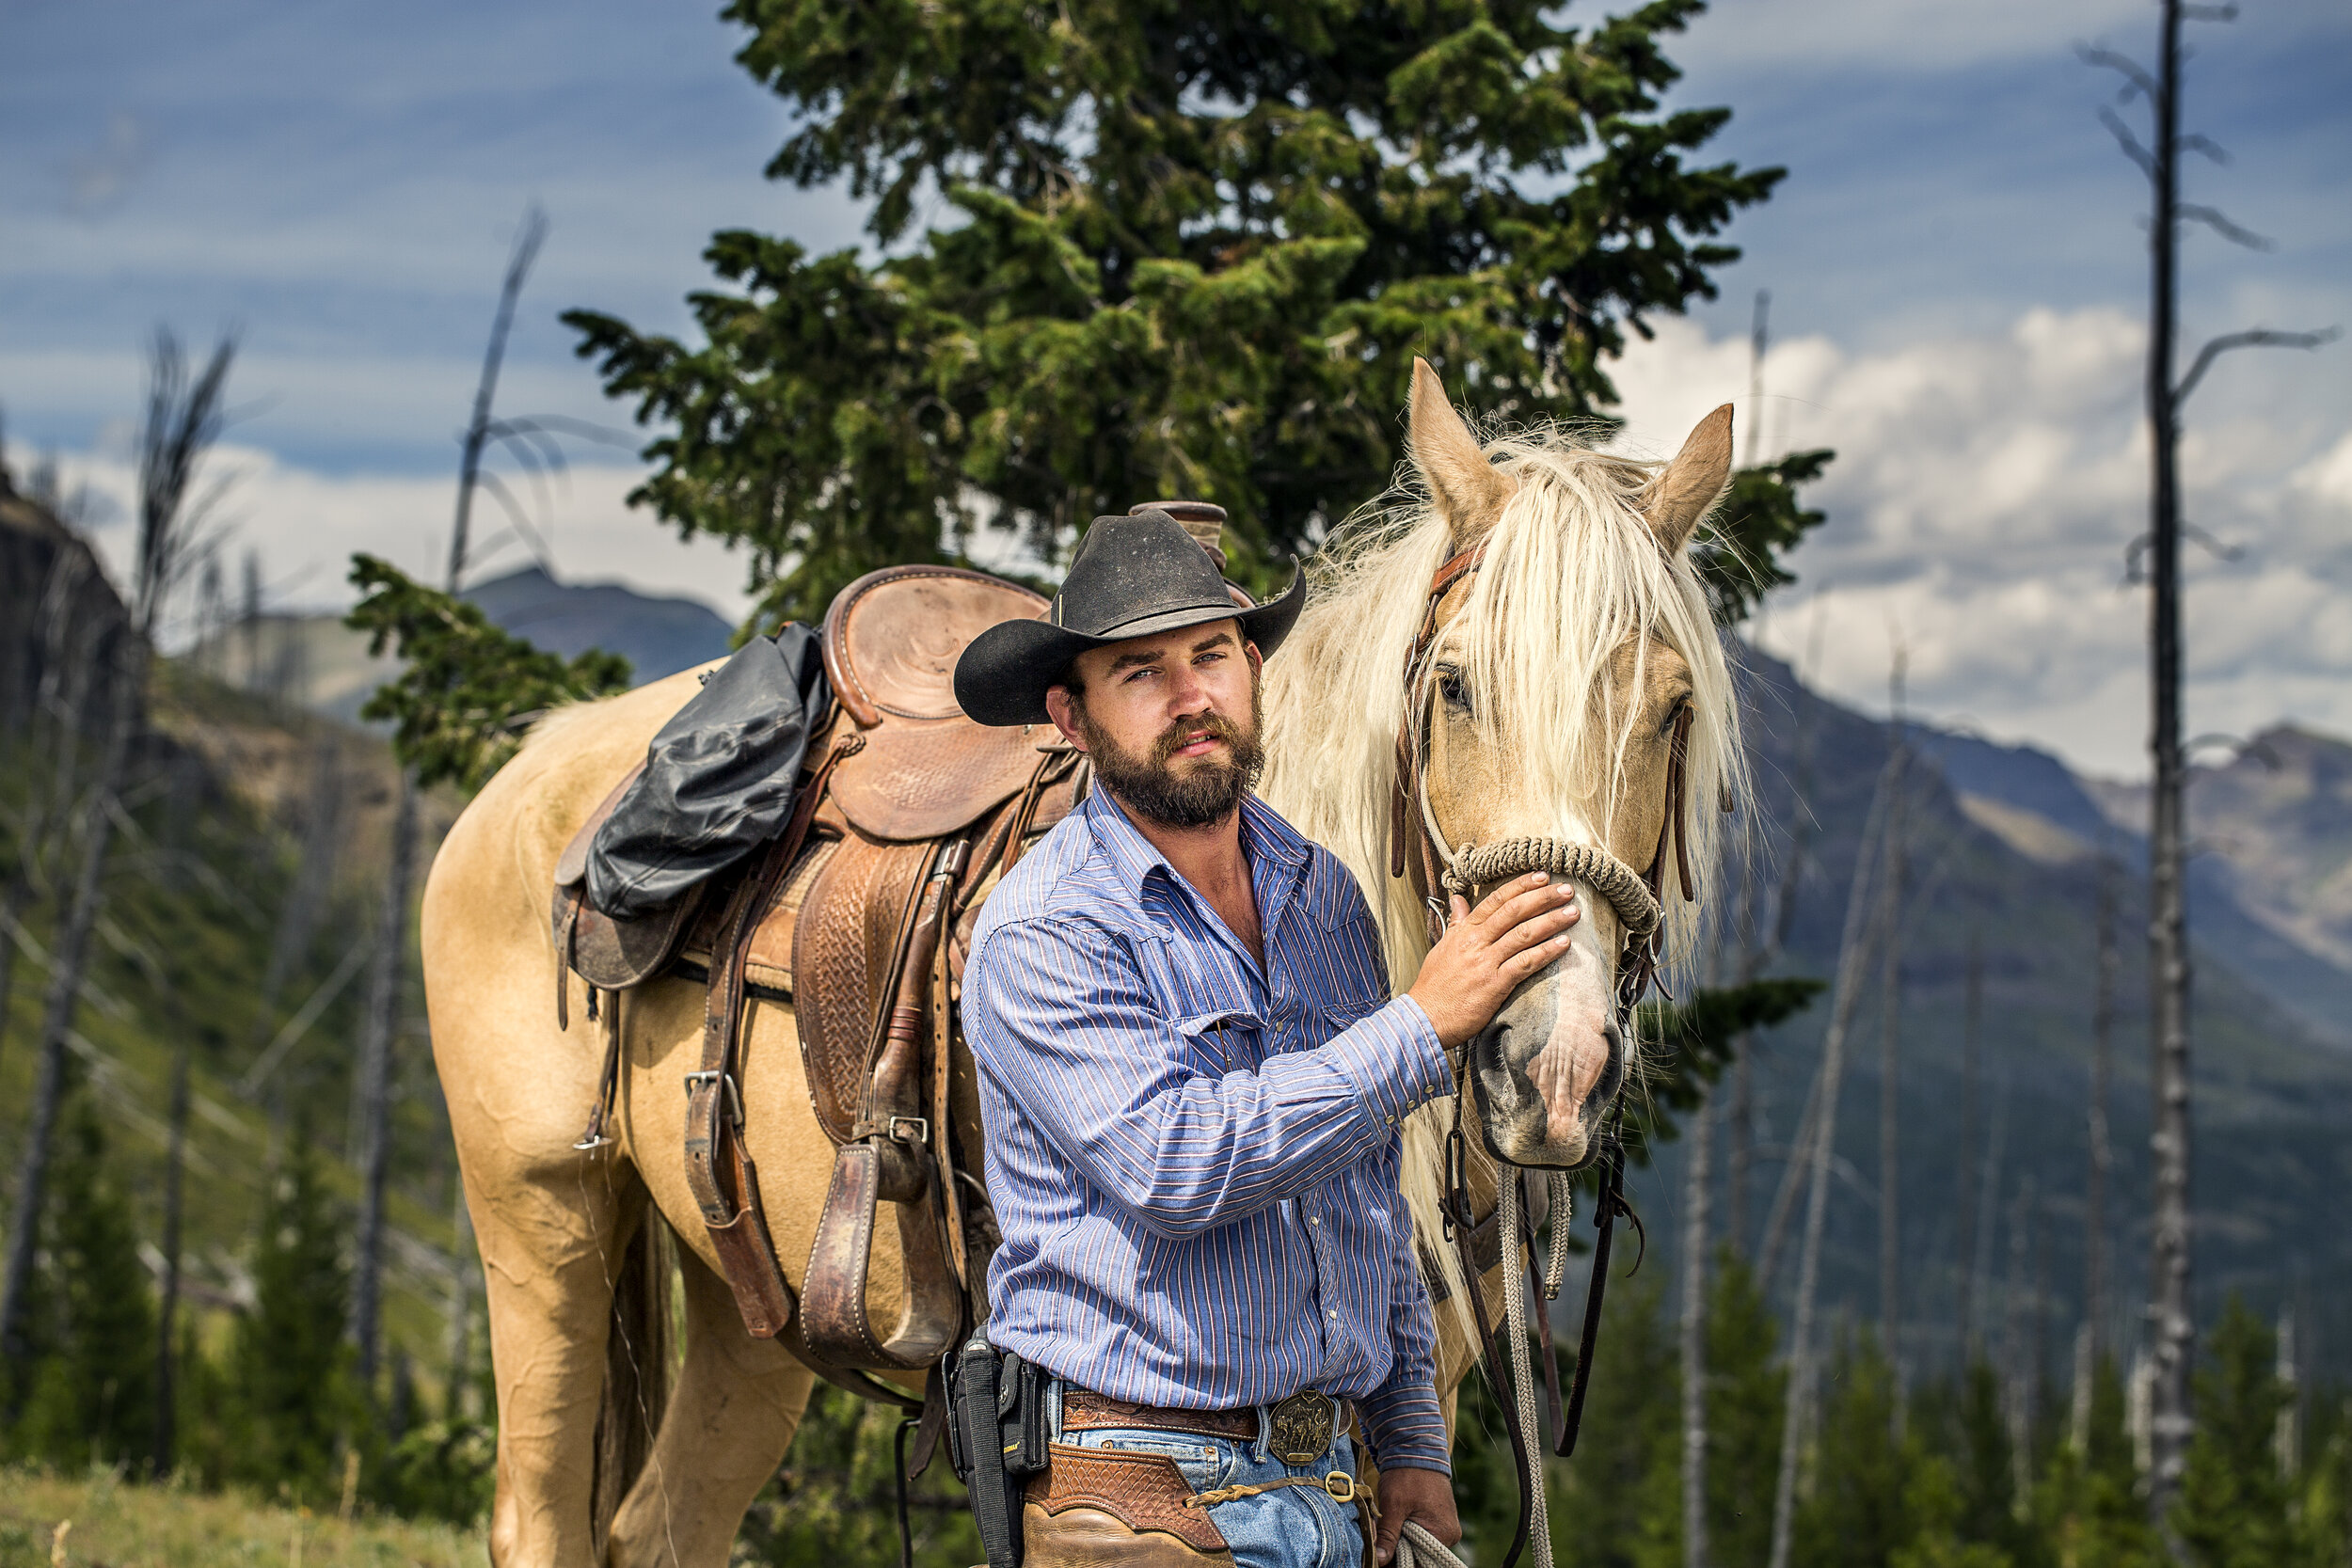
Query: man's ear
(1064, 713)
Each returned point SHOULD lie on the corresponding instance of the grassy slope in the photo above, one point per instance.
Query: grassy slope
(150, 1527)
(194, 895)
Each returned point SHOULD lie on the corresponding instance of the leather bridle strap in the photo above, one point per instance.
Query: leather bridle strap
(1612, 1206)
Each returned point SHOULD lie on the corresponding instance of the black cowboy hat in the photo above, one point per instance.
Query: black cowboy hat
(1135, 575)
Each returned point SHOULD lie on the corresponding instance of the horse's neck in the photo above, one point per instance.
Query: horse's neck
(1323, 764)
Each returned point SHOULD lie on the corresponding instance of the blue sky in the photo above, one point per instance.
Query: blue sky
(1954, 260)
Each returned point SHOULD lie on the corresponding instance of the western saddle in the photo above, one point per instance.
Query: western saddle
(906, 815)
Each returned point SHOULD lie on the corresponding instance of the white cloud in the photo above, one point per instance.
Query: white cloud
(307, 525)
(1984, 492)
(1908, 35)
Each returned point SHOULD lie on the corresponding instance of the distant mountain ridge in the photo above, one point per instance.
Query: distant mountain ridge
(316, 662)
(2270, 881)
(659, 635)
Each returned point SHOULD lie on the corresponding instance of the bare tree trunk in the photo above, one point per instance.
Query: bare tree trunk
(57, 711)
(1792, 1175)
(384, 998)
(2286, 1439)
(479, 430)
(1695, 1178)
(1853, 956)
(1972, 1020)
(168, 1310)
(2171, 1329)
(1739, 1141)
(2102, 1151)
(298, 917)
(2017, 1393)
(68, 960)
(1988, 1203)
(1757, 958)
(183, 420)
(1890, 1059)
(386, 973)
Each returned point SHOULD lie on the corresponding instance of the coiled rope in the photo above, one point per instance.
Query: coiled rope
(1483, 865)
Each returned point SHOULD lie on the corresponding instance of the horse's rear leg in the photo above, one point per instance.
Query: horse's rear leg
(551, 1243)
(738, 1402)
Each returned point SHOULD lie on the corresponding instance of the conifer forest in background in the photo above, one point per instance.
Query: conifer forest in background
(1179, 250)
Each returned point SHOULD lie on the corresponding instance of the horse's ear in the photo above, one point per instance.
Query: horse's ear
(1468, 493)
(1687, 487)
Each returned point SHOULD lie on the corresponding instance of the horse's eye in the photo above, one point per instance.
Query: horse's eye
(1674, 715)
(1450, 686)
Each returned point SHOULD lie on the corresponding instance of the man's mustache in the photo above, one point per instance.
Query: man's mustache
(1186, 731)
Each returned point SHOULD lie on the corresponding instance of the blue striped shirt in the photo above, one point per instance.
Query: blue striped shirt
(1194, 1160)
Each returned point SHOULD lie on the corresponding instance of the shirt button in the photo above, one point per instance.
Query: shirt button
(1334, 1316)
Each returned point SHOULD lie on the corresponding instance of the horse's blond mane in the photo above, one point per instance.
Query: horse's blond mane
(1572, 575)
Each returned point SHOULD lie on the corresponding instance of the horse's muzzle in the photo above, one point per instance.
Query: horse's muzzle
(1530, 1110)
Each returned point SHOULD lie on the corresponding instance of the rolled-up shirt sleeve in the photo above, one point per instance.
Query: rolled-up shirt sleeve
(1061, 1018)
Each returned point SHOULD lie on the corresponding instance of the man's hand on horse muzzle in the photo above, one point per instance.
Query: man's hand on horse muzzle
(1490, 952)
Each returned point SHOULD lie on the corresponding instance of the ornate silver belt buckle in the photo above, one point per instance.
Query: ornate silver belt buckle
(1299, 1427)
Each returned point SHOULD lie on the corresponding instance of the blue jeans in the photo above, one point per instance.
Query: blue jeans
(1296, 1527)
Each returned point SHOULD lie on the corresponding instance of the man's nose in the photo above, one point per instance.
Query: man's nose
(1188, 696)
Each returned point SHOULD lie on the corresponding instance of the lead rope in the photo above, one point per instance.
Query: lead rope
(1523, 1370)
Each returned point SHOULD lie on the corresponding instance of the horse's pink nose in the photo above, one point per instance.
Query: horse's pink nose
(1571, 1066)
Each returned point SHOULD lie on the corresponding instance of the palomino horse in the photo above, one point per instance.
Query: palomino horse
(1546, 691)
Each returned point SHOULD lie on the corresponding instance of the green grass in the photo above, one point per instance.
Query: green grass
(123, 1524)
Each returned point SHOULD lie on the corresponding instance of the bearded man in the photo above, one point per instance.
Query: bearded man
(1193, 1084)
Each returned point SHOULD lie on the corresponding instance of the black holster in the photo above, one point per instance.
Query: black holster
(997, 1428)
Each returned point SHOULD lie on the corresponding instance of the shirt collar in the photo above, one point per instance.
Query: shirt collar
(1268, 841)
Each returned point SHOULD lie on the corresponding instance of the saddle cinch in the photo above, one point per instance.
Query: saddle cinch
(906, 815)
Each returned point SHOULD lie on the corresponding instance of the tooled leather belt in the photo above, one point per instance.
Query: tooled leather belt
(1299, 1429)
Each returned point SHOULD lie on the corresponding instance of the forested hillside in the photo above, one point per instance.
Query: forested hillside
(2005, 870)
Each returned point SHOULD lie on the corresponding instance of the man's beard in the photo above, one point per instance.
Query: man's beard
(1207, 793)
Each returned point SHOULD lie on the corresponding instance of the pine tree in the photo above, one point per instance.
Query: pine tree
(2089, 1511)
(1969, 1428)
(1858, 1514)
(290, 1364)
(2232, 1507)
(1183, 248)
(1747, 1387)
(1617, 1502)
(2327, 1486)
(93, 1397)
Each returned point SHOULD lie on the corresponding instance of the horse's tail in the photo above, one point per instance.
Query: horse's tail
(637, 1364)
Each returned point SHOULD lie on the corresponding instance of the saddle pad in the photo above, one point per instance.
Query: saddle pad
(842, 966)
(768, 955)
(892, 640)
